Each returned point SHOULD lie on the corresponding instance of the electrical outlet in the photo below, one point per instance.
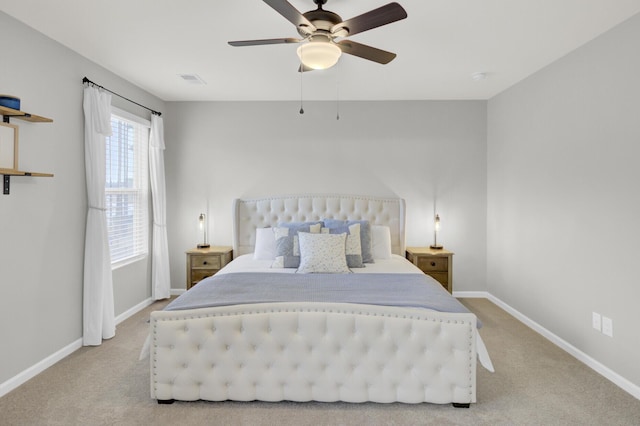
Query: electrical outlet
(596, 321)
(607, 326)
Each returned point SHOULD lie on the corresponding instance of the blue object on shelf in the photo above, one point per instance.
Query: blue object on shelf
(10, 101)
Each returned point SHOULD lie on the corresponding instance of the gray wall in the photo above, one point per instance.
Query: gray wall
(42, 221)
(420, 151)
(563, 197)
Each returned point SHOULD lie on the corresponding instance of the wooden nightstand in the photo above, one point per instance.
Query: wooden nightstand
(437, 263)
(202, 263)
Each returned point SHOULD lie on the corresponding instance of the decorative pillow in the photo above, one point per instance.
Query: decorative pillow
(265, 248)
(353, 248)
(287, 247)
(298, 224)
(365, 235)
(381, 242)
(322, 253)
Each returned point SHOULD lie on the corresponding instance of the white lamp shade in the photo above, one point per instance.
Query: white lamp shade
(319, 55)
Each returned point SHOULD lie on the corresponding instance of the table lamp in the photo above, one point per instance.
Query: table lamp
(202, 223)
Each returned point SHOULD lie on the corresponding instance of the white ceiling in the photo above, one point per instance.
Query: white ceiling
(439, 46)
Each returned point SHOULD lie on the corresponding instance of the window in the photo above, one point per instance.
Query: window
(126, 189)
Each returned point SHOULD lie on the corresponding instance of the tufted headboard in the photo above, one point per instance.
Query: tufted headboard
(249, 214)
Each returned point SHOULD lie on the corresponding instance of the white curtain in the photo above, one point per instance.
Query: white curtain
(160, 276)
(98, 309)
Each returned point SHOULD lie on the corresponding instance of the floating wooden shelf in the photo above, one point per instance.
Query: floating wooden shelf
(21, 115)
(12, 172)
(6, 181)
(7, 114)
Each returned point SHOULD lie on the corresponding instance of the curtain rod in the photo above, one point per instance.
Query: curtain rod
(86, 80)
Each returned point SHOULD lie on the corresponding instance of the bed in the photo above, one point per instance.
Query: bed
(312, 349)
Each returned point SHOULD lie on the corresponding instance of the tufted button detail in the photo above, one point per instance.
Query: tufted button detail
(371, 370)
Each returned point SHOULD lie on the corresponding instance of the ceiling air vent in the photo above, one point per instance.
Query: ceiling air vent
(192, 78)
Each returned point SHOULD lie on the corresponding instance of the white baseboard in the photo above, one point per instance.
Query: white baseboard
(598, 367)
(39, 367)
(177, 291)
(471, 294)
(609, 374)
(134, 310)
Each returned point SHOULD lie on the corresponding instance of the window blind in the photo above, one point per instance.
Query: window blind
(126, 189)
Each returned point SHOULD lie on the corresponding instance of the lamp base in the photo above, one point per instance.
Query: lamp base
(203, 246)
(435, 246)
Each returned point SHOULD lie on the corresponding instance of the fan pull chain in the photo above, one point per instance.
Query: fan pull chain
(338, 92)
(301, 72)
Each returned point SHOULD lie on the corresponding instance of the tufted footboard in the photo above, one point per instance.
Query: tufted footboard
(312, 351)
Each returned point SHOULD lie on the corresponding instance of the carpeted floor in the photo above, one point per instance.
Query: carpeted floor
(535, 383)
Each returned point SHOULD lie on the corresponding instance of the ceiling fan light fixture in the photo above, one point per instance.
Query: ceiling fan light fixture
(319, 55)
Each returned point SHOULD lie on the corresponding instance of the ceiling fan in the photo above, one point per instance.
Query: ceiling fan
(320, 28)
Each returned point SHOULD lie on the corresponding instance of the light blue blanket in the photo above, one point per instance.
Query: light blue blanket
(404, 290)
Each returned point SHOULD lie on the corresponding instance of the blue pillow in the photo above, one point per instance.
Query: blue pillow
(365, 235)
(298, 224)
(287, 247)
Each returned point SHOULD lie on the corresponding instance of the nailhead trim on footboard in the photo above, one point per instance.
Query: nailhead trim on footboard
(310, 351)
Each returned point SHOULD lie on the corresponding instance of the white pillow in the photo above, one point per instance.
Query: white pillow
(265, 248)
(322, 253)
(354, 246)
(380, 242)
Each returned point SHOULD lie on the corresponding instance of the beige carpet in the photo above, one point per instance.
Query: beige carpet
(535, 383)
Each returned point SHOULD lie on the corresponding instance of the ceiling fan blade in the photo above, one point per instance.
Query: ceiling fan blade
(366, 52)
(304, 68)
(384, 15)
(291, 14)
(265, 41)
